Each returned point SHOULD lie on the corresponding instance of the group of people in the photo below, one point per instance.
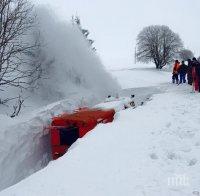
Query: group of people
(191, 70)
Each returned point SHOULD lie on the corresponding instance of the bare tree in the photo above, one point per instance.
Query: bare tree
(16, 21)
(158, 44)
(17, 107)
(185, 54)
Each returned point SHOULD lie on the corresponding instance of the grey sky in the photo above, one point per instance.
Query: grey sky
(114, 24)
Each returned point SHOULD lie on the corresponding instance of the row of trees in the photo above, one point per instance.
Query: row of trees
(160, 45)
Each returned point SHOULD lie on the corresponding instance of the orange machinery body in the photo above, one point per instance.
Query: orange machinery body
(67, 128)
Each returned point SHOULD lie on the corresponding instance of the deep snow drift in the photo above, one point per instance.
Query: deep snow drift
(151, 150)
(143, 152)
(25, 147)
(73, 76)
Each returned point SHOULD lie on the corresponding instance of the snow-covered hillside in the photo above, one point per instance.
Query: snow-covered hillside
(151, 150)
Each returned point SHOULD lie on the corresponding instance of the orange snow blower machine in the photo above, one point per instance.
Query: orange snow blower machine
(67, 128)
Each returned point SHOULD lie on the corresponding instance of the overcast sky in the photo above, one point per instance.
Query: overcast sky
(114, 24)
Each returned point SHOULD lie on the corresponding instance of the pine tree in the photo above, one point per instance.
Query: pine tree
(76, 21)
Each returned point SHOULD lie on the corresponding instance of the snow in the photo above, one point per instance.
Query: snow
(143, 152)
(117, 104)
(153, 149)
(24, 140)
(75, 70)
(74, 76)
(5, 120)
(70, 68)
(132, 66)
(141, 77)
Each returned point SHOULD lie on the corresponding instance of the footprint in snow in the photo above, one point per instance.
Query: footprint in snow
(168, 125)
(192, 162)
(153, 156)
(186, 134)
(197, 144)
(172, 156)
(186, 149)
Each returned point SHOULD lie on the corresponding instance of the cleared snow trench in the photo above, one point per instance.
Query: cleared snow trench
(25, 148)
(29, 147)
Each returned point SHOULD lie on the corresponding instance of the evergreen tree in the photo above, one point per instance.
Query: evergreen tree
(76, 21)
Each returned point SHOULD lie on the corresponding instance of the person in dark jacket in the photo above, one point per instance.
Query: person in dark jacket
(189, 72)
(196, 74)
(182, 72)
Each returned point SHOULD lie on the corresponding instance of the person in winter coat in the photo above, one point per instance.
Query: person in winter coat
(175, 71)
(189, 72)
(182, 71)
(196, 74)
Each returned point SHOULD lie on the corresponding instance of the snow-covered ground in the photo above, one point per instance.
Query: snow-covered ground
(70, 70)
(25, 146)
(141, 75)
(151, 150)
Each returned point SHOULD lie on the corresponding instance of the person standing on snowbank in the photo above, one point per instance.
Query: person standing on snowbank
(182, 72)
(189, 72)
(175, 72)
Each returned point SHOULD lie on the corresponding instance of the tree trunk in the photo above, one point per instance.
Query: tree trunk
(158, 66)
(156, 63)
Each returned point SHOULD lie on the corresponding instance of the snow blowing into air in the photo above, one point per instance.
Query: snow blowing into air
(99, 98)
(68, 60)
(61, 65)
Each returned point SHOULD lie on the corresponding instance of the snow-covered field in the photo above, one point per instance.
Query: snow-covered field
(152, 150)
(141, 77)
